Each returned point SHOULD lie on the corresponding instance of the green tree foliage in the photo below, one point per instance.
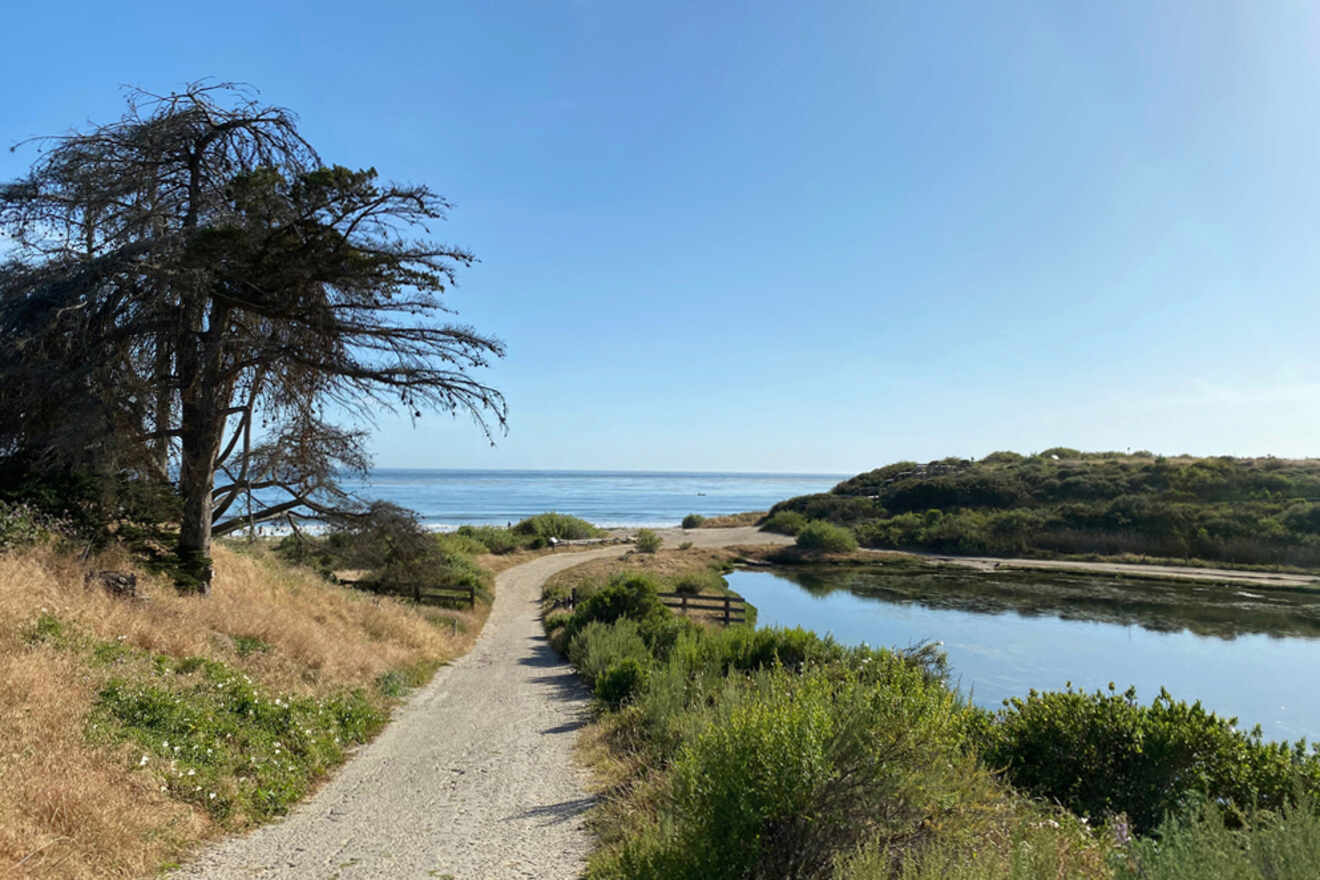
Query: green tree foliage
(193, 286)
(402, 556)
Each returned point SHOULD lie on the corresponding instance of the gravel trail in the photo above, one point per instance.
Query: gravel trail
(473, 779)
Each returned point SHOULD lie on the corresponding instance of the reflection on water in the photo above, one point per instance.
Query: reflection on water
(1242, 651)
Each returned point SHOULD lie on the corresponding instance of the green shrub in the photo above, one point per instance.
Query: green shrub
(460, 543)
(784, 522)
(840, 508)
(1102, 754)
(627, 595)
(621, 681)
(647, 541)
(695, 582)
(598, 646)
(693, 521)
(1198, 844)
(21, 525)
(824, 537)
(245, 645)
(557, 525)
(793, 771)
(494, 539)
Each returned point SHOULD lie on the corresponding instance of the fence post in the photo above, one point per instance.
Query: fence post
(683, 599)
(572, 598)
(726, 609)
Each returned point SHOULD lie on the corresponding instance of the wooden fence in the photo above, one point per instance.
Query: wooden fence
(731, 609)
(728, 608)
(420, 592)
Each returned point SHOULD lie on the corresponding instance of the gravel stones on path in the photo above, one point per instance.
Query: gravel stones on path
(474, 778)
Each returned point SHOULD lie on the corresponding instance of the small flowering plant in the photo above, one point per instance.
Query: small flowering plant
(215, 739)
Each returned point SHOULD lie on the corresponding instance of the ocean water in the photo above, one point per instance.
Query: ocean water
(447, 499)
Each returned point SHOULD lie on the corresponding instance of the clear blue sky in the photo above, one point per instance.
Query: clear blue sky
(804, 237)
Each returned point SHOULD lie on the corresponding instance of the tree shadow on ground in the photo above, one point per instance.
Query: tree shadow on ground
(560, 812)
(563, 679)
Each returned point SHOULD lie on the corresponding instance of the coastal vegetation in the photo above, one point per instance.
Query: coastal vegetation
(647, 541)
(136, 726)
(735, 752)
(1250, 511)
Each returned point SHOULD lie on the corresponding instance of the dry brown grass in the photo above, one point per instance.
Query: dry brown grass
(69, 809)
(733, 520)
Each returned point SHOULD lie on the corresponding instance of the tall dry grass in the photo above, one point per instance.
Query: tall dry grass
(69, 809)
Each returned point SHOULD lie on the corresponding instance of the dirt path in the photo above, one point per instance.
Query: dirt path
(473, 779)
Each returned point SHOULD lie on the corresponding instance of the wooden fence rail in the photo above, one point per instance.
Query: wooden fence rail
(732, 609)
(420, 592)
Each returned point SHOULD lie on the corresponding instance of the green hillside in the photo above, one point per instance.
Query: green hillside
(1260, 511)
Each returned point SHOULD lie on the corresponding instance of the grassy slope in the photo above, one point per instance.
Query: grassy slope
(1260, 511)
(79, 801)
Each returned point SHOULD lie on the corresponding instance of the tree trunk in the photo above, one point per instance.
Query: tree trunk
(204, 399)
(195, 483)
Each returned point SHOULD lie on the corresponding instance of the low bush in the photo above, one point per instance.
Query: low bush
(621, 681)
(793, 770)
(824, 537)
(629, 595)
(557, 525)
(1199, 843)
(647, 541)
(456, 542)
(601, 647)
(693, 521)
(493, 538)
(1101, 754)
(784, 522)
(695, 582)
(21, 525)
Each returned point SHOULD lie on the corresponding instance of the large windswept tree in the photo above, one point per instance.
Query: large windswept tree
(190, 287)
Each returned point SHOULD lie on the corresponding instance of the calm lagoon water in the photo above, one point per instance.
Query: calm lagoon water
(449, 498)
(999, 653)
